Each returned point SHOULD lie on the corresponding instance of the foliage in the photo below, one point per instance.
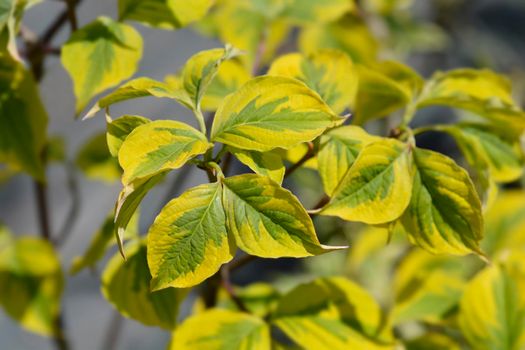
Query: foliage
(315, 110)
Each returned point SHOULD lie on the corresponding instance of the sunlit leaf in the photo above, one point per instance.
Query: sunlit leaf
(432, 341)
(126, 285)
(99, 56)
(188, 241)
(263, 163)
(479, 91)
(444, 215)
(268, 220)
(308, 11)
(377, 187)
(166, 14)
(119, 129)
(23, 119)
(140, 87)
(157, 146)
(492, 310)
(328, 72)
(95, 160)
(259, 298)
(259, 113)
(222, 329)
(31, 284)
(332, 313)
(337, 152)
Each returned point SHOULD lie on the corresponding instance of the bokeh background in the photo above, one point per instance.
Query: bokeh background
(456, 33)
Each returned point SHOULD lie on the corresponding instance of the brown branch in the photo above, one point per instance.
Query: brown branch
(72, 16)
(308, 155)
(228, 287)
(240, 262)
(72, 216)
(113, 331)
(42, 210)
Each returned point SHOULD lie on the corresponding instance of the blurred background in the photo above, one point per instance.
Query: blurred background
(428, 35)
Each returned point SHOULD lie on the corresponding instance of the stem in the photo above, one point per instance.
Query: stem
(178, 181)
(227, 163)
(227, 285)
(200, 119)
(71, 218)
(113, 331)
(309, 154)
(71, 14)
(243, 260)
(43, 211)
(437, 127)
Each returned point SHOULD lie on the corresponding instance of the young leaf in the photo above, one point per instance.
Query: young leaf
(140, 87)
(384, 87)
(332, 313)
(377, 187)
(232, 74)
(23, 119)
(444, 215)
(222, 329)
(338, 150)
(328, 72)
(492, 310)
(102, 240)
(165, 14)
(99, 56)
(157, 146)
(484, 148)
(119, 129)
(128, 201)
(268, 220)
(263, 163)
(188, 241)
(265, 108)
(479, 91)
(125, 284)
(200, 69)
(31, 284)
(95, 160)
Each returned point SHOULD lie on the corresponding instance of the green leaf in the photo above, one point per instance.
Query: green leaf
(128, 201)
(95, 160)
(125, 284)
(232, 74)
(23, 119)
(99, 56)
(222, 329)
(200, 69)
(384, 87)
(338, 150)
(165, 14)
(349, 34)
(330, 73)
(484, 148)
(377, 187)
(31, 284)
(263, 163)
(432, 341)
(268, 220)
(140, 87)
(11, 13)
(444, 215)
(479, 91)
(492, 310)
(261, 111)
(332, 313)
(188, 241)
(102, 240)
(427, 287)
(259, 298)
(119, 129)
(307, 11)
(158, 146)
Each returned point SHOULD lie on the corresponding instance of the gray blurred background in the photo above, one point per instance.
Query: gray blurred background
(481, 33)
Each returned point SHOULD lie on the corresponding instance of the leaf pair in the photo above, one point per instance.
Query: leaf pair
(388, 179)
(199, 231)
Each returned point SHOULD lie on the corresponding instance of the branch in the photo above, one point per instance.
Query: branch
(113, 331)
(227, 285)
(71, 218)
(308, 155)
(71, 4)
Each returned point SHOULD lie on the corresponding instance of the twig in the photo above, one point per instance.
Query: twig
(321, 203)
(309, 154)
(43, 211)
(113, 332)
(228, 287)
(71, 218)
(240, 262)
(175, 187)
(226, 164)
(71, 14)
